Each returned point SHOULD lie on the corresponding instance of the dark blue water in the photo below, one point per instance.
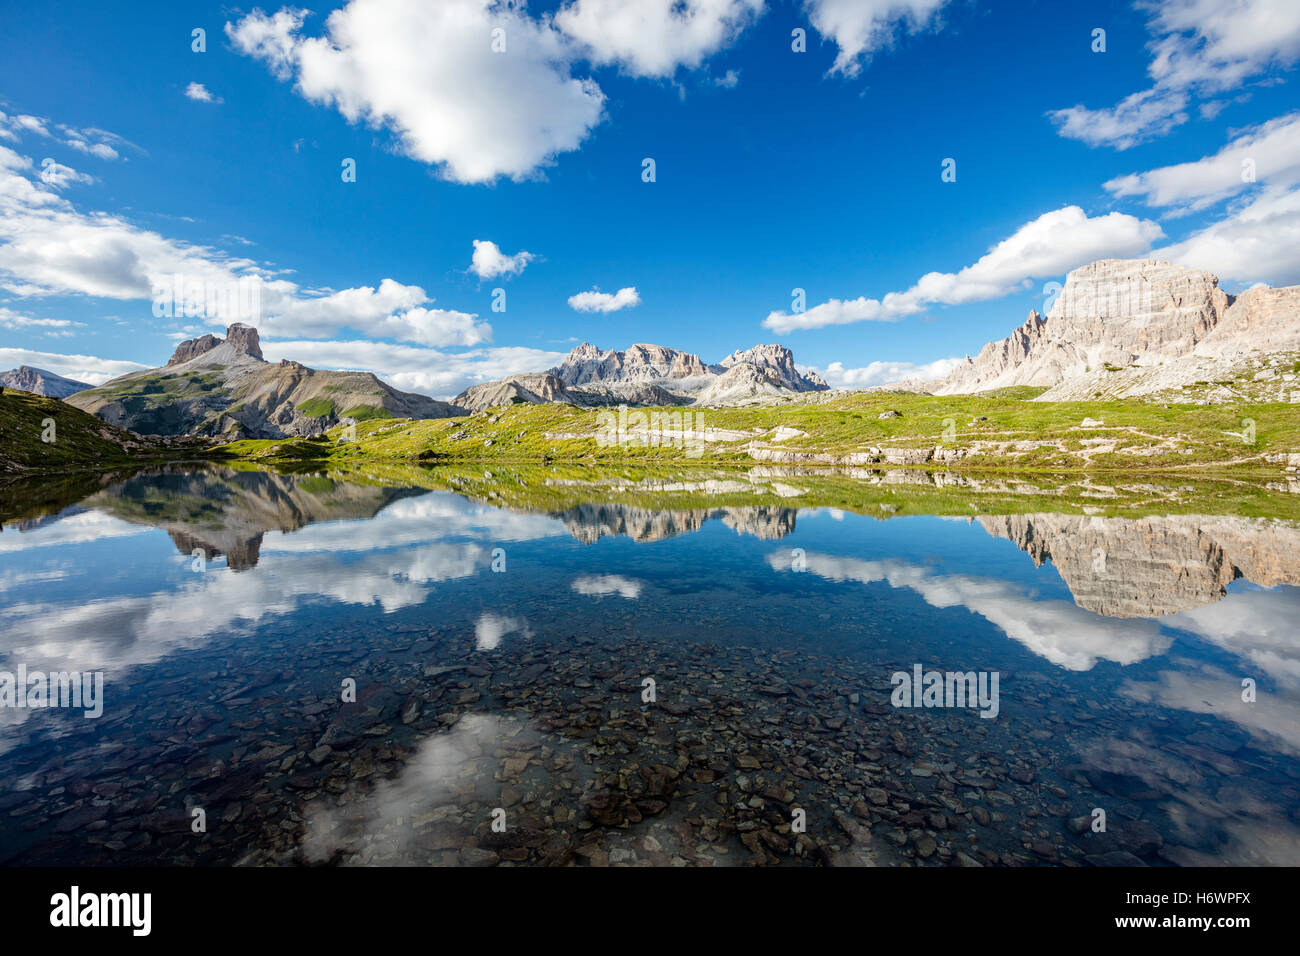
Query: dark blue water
(605, 684)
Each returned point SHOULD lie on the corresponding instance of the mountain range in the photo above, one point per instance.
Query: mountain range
(1117, 329)
(652, 375)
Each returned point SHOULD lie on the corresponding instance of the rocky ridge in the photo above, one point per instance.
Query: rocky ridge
(653, 375)
(1122, 328)
(225, 388)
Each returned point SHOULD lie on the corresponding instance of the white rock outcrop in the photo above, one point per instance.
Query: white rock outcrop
(1117, 314)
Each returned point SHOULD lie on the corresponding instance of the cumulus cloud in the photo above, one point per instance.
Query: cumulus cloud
(861, 27)
(402, 65)
(49, 247)
(392, 310)
(595, 301)
(1052, 244)
(488, 261)
(1255, 242)
(1268, 154)
(1199, 48)
(654, 37)
(199, 92)
(886, 373)
(59, 176)
(1257, 175)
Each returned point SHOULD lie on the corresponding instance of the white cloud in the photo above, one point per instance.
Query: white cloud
(1256, 242)
(654, 37)
(92, 141)
(48, 247)
(1135, 119)
(427, 73)
(57, 175)
(393, 311)
(861, 27)
(595, 301)
(1255, 239)
(17, 322)
(488, 261)
(427, 371)
(13, 125)
(82, 368)
(199, 92)
(729, 80)
(1199, 48)
(886, 373)
(1271, 152)
(1052, 244)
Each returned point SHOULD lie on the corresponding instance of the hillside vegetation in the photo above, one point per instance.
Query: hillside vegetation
(1000, 431)
(76, 439)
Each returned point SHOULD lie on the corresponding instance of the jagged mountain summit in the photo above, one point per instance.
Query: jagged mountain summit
(26, 378)
(225, 388)
(1142, 327)
(652, 375)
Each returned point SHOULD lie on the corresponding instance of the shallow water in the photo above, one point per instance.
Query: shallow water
(611, 684)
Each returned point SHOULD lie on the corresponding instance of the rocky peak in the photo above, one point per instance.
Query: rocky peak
(780, 359)
(773, 356)
(588, 364)
(192, 348)
(244, 338)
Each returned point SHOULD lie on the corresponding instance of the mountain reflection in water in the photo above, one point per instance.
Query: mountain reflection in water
(500, 658)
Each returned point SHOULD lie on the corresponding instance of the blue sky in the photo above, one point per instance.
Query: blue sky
(126, 157)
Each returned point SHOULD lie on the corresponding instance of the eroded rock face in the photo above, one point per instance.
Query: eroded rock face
(1120, 312)
(587, 364)
(240, 337)
(193, 348)
(781, 360)
(244, 338)
(1151, 567)
(654, 375)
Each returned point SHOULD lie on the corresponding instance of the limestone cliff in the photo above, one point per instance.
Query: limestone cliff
(1149, 317)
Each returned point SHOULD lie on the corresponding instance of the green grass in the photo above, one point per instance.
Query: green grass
(76, 438)
(316, 408)
(998, 431)
(273, 449)
(365, 413)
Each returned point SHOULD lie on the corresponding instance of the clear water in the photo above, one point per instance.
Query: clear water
(675, 687)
